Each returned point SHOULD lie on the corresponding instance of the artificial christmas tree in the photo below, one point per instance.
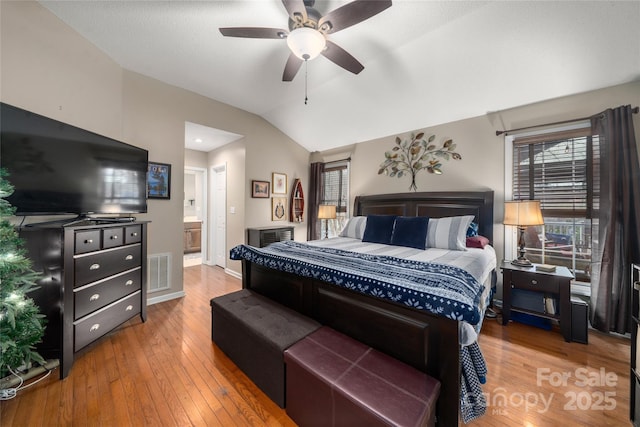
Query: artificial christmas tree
(21, 324)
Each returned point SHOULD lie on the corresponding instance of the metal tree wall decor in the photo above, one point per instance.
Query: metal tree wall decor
(412, 155)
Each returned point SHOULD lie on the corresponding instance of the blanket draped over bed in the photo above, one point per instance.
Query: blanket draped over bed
(441, 289)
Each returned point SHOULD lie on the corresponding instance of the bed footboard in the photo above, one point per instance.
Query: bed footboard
(418, 338)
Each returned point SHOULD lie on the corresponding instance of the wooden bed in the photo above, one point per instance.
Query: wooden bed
(421, 339)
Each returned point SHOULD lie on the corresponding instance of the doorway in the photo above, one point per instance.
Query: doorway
(195, 216)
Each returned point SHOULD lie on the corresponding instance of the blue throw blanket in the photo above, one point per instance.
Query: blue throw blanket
(437, 288)
(473, 403)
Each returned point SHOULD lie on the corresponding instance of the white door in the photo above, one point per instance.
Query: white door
(220, 217)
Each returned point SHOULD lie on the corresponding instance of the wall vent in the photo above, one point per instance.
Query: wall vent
(159, 268)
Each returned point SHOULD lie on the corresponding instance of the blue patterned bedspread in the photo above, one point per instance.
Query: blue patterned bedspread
(444, 290)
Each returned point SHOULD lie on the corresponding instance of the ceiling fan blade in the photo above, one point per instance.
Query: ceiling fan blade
(292, 67)
(255, 32)
(295, 7)
(341, 57)
(351, 14)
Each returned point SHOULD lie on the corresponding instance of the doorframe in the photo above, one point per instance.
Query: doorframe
(214, 209)
(205, 213)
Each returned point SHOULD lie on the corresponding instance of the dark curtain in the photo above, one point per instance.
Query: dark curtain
(618, 220)
(315, 198)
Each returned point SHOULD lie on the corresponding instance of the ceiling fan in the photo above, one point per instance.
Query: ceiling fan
(308, 30)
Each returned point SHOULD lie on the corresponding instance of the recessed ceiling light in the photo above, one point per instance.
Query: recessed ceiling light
(198, 140)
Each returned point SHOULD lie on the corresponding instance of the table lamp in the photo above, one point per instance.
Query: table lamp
(522, 213)
(326, 212)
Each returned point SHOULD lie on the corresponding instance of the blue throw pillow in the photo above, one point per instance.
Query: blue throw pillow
(410, 232)
(379, 229)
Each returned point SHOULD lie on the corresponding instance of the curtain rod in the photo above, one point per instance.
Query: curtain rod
(348, 159)
(634, 110)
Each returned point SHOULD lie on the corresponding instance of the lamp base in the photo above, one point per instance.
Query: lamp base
(522, 262)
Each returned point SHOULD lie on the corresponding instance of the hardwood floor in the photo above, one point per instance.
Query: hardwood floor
(167, 372)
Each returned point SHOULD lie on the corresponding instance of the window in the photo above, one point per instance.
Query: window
(561, 170)
(335, 191)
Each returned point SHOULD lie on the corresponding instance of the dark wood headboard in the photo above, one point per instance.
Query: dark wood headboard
(432, 204)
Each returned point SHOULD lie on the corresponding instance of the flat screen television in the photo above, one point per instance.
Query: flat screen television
(59, 169)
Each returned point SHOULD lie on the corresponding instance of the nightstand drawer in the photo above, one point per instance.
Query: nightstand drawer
(534, 281)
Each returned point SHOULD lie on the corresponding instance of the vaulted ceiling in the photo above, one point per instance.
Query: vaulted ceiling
(426, 62)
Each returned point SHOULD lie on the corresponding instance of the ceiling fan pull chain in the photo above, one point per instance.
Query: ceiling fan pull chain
(305, 81)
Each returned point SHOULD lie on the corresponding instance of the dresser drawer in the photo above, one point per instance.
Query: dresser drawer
(98, 265)
(534, 281)
(87, 241)
(112, 237)
(90, 298)
(94, 326)
(132, 234)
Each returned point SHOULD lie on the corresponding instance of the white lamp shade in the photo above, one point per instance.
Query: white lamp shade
(326, 212)
(523, 213)
(306, 43)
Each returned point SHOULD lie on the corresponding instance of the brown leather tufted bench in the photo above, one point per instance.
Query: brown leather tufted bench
(254, 331)
(333, 380)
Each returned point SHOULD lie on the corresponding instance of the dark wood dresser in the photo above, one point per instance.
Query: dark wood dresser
(94, 279)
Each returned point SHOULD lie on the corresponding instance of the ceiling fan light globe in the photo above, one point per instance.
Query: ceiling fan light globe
(306, 43)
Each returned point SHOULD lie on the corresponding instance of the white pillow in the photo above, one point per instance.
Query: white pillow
(449, 232)
(355, 227)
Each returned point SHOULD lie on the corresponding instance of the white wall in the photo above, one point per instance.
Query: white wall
(48, 69)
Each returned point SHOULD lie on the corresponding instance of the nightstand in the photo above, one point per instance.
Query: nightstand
(556, 284)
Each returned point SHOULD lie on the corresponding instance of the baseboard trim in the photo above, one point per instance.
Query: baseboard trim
(165, 297)
(233, 273)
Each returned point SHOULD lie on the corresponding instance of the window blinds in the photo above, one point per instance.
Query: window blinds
(560, 169)
(335, 184)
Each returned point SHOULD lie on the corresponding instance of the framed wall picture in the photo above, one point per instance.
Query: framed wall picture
(279, 181)
(260, 189)
(278, 209)
(158, 181)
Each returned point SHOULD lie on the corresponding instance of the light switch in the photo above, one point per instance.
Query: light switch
(232, 209)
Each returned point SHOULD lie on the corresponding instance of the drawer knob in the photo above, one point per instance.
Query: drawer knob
(129, 308)
(534, 282)
(128, 283)
(134, 234)
(129, 257)
(114, 237)
(94, 266)
(95, 327)
(94, 297)
(88, 241)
